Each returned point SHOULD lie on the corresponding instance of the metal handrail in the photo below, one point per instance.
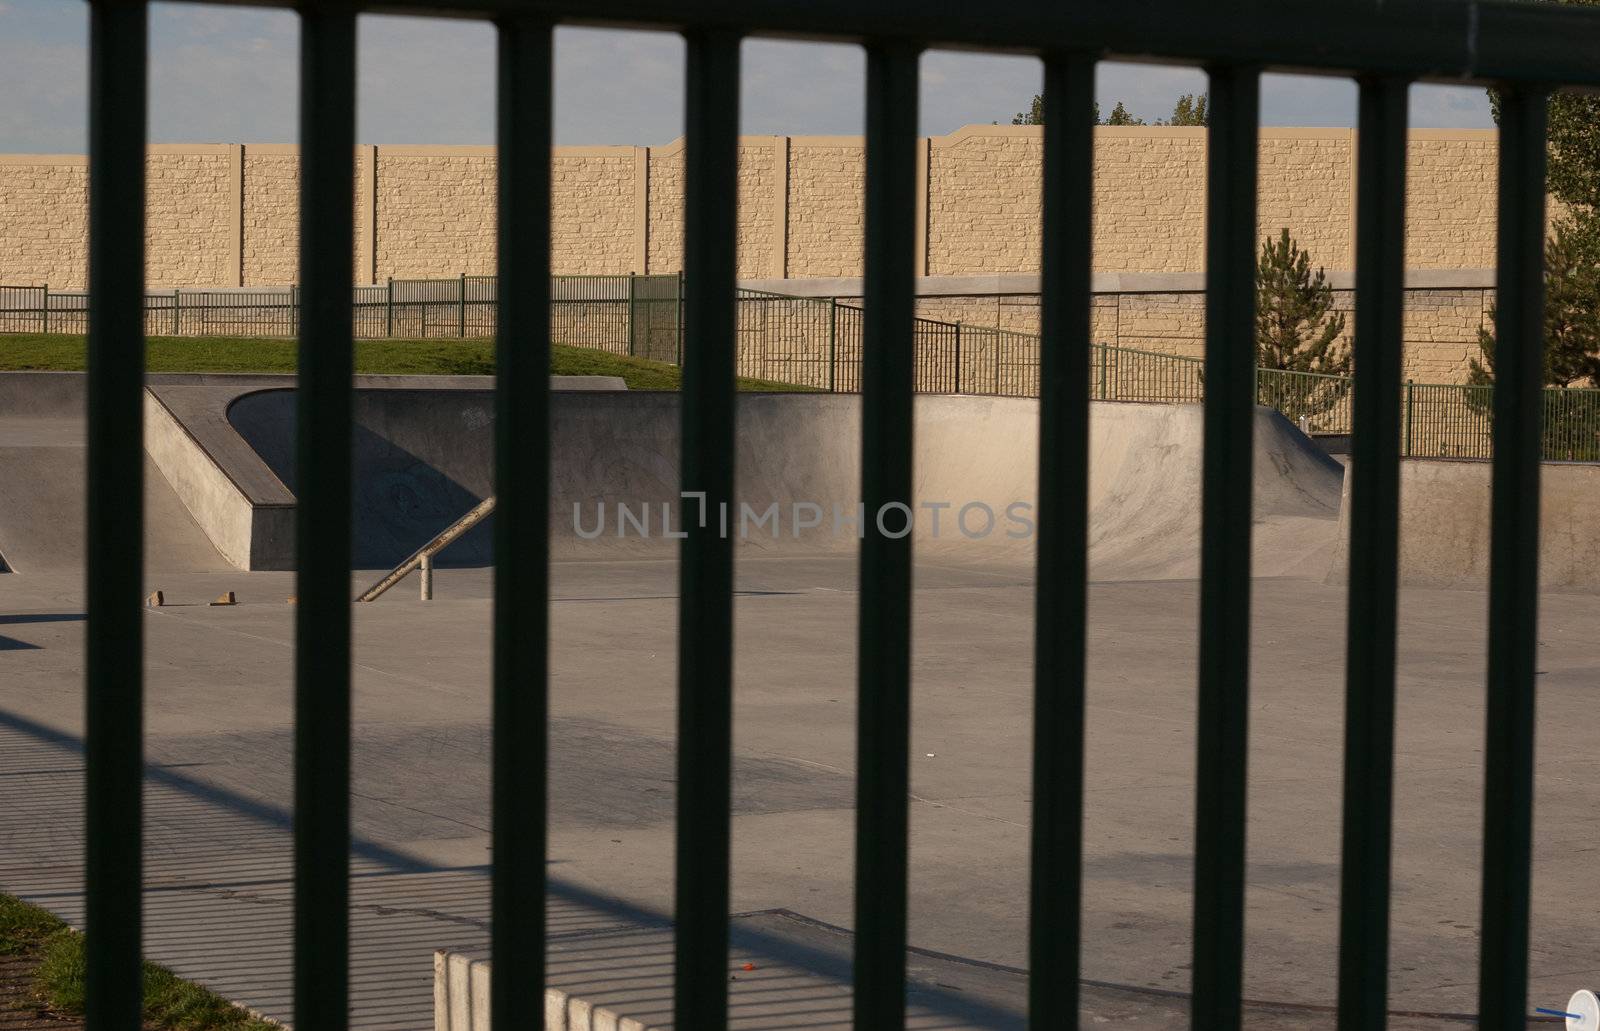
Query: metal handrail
(422, 558)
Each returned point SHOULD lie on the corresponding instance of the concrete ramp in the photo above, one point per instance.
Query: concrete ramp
(223, 475)
(1444, 525)
(423, 457)
(43, 474)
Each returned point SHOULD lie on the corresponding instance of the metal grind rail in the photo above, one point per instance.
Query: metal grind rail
(422, 558)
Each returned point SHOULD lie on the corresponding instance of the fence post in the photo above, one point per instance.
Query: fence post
(958, 359)
(461, 319)
(176, 310)
(388, 310)
(633, 315)
(833, 344)
(1407, 452)
(1104, 356)
(44, 311)
(677, 328)
(996, 358)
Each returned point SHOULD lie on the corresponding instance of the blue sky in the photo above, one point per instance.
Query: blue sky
(228, 75)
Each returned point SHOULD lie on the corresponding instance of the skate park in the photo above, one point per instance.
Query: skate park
(219, 483)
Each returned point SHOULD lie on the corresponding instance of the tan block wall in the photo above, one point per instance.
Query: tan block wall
(664, 253)
(826, 214)
(189, 216)
(1149, 199)
(759, 180)
(1307, 184)
(436, 212)
(429, 212)
(271, 215)
(983, 201)
(1440, 330)
(1450, 199)
(434, 206)
(592, 203)
(44, 206)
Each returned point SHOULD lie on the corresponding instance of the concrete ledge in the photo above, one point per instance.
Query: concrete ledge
(1102, 283)
(250, 535)
(461, 1001)
(1445, 525)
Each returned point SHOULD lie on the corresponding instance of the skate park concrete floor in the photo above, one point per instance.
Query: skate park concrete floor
(219, 789)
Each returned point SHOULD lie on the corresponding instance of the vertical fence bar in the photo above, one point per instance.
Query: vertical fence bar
(1374, 552)
(322, 526)
(958, 359)
(1225, 548)
(1410, 404)
(44, 310)
(1061, 596)
(114, 533)
(833, 344)
(522, 558)
(884, 643)
(705, 611)
(1513, 563)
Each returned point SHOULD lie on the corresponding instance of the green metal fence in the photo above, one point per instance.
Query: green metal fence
(816, 342)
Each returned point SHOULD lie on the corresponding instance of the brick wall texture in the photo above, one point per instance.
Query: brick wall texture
(226, 215)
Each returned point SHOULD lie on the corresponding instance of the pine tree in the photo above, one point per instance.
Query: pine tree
(1298, 331)
(1120, 115)
(1190, 110)
(1571, 307)
(1035, 113)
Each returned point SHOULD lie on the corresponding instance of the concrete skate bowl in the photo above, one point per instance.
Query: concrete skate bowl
(424, 457)
(1444, 525)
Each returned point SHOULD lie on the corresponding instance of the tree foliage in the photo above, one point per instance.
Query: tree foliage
(1574, 138)
(1297, 329)
(1297, 332)
(1189, 110)
(1120, 115)
(1035, 113)
(1572, 253)
(1571, 307)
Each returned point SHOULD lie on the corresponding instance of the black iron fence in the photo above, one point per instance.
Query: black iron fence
(1523, 49)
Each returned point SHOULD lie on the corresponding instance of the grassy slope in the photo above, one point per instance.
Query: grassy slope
(169, 1001)
(472, 357)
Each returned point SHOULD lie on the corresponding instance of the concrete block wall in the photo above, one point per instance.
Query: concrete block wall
(225, 214)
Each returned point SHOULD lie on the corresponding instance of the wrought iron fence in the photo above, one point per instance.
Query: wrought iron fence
(1524, 49)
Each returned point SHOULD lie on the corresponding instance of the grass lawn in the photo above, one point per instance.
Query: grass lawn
(471, 357)
(170, 1002)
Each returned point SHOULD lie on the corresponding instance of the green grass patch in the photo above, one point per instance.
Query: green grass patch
(23, 928)
(469, 357)
(170, 1003)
